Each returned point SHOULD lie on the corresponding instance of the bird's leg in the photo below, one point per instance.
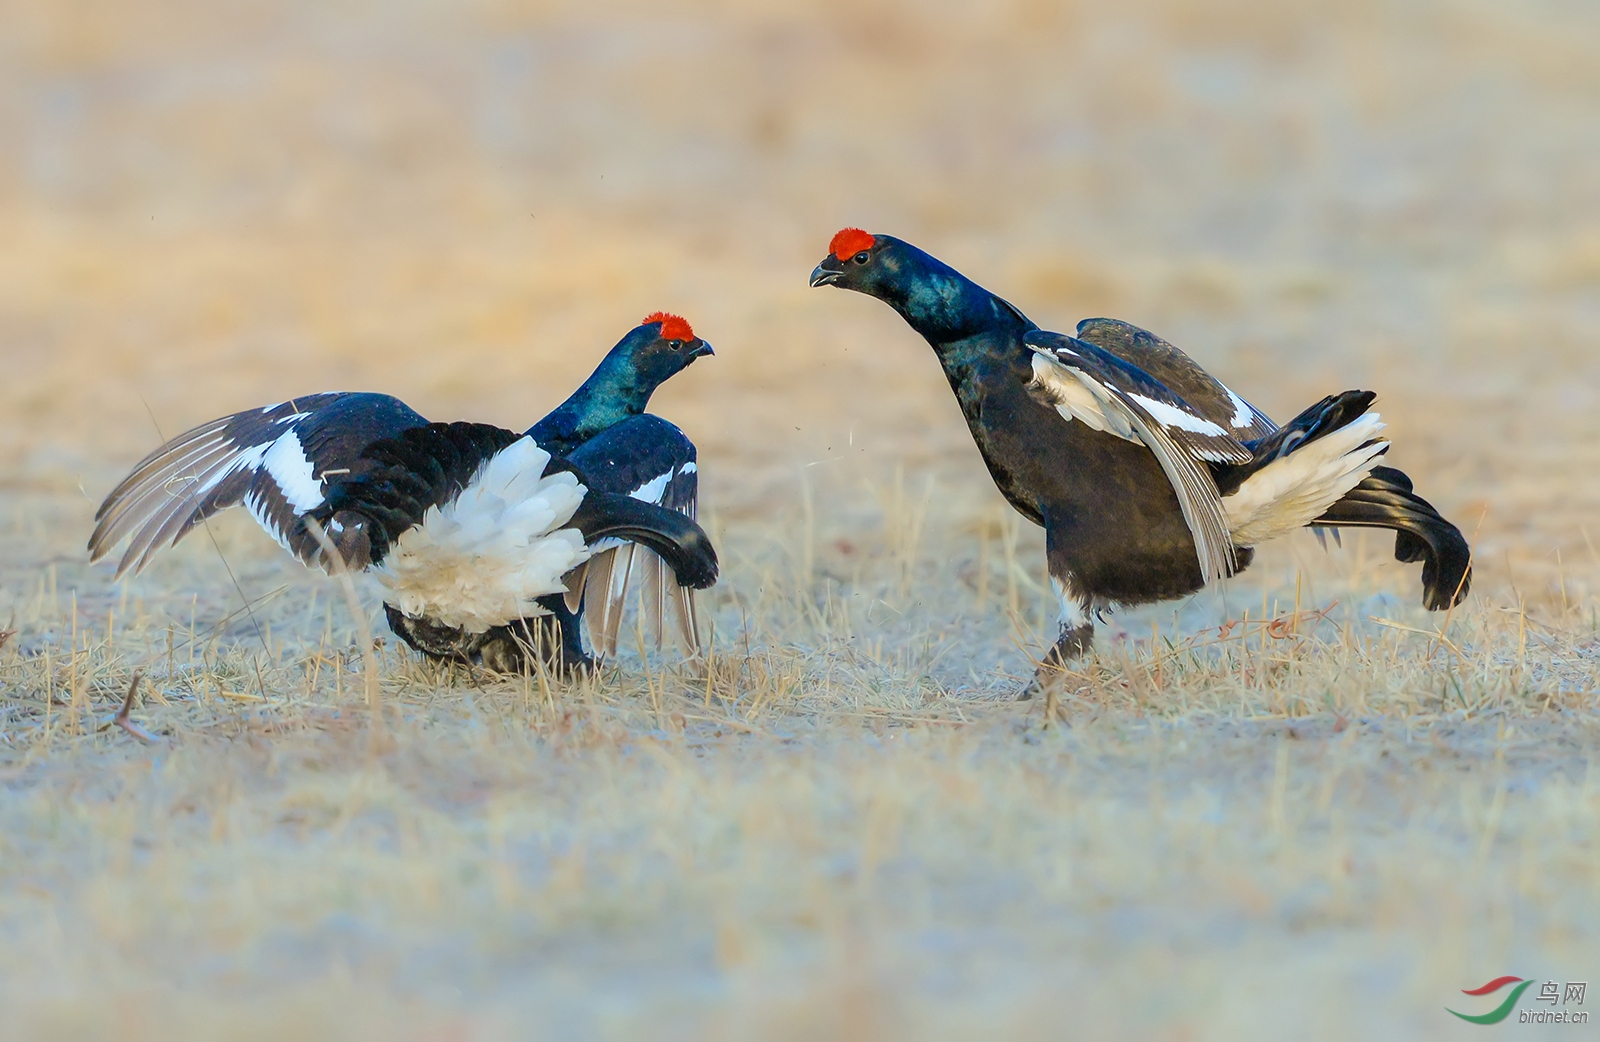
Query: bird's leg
(1076, 639)
(503, 651)
(553, 639)
(1073, 643)
(568, 626)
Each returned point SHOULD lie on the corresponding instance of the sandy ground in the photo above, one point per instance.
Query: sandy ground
(1323, 827)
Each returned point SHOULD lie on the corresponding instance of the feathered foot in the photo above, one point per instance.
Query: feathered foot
(552, 640)
(1074, 643)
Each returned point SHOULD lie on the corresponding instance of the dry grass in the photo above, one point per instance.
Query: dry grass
(1297, 807)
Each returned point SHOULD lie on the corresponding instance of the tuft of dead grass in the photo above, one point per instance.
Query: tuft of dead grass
(840, 823)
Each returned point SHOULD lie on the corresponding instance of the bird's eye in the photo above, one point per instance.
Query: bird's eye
(861, 258)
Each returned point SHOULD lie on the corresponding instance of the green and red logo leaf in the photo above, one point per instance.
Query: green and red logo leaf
(1501, 1011)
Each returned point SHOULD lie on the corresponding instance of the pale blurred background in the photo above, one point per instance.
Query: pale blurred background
(209, 206)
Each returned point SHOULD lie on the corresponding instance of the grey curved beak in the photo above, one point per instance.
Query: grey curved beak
(704, 349)
(822, 275)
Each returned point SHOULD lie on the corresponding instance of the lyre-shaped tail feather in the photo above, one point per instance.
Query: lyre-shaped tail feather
(1384, 499)
(680, 542)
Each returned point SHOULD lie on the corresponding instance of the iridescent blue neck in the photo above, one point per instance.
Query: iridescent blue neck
(965, 323)
(611, 394)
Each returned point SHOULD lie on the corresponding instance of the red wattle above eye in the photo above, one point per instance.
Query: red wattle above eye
(849, 242)
(672, 327)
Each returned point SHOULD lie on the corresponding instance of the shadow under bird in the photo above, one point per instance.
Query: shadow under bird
(1150, 478)
(484, 541)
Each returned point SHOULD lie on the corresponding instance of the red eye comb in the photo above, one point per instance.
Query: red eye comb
(849, 242)
(672, 327)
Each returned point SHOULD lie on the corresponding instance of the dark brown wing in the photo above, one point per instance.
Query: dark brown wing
(1176, 370)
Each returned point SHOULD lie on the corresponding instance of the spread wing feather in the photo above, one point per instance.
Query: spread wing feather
(651, 460)
(274, 461)
(1176, 371)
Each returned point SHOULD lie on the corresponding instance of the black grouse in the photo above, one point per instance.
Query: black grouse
(604, 429)
(464, 525)
(1149, 476)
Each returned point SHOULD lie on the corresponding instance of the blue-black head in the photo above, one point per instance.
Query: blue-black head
(651, 353)
(871, 264)
(659, 348)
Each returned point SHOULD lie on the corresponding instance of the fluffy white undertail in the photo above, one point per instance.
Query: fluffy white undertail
(481, 559)
(1292, 492)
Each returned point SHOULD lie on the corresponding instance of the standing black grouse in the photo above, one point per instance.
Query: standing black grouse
(1149, 476)
(479, 535)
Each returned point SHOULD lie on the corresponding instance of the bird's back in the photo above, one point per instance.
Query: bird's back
(1209, 397)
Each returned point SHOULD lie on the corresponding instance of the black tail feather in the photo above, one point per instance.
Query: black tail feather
(1384, 500)
(1332, 413)
(680, 542)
